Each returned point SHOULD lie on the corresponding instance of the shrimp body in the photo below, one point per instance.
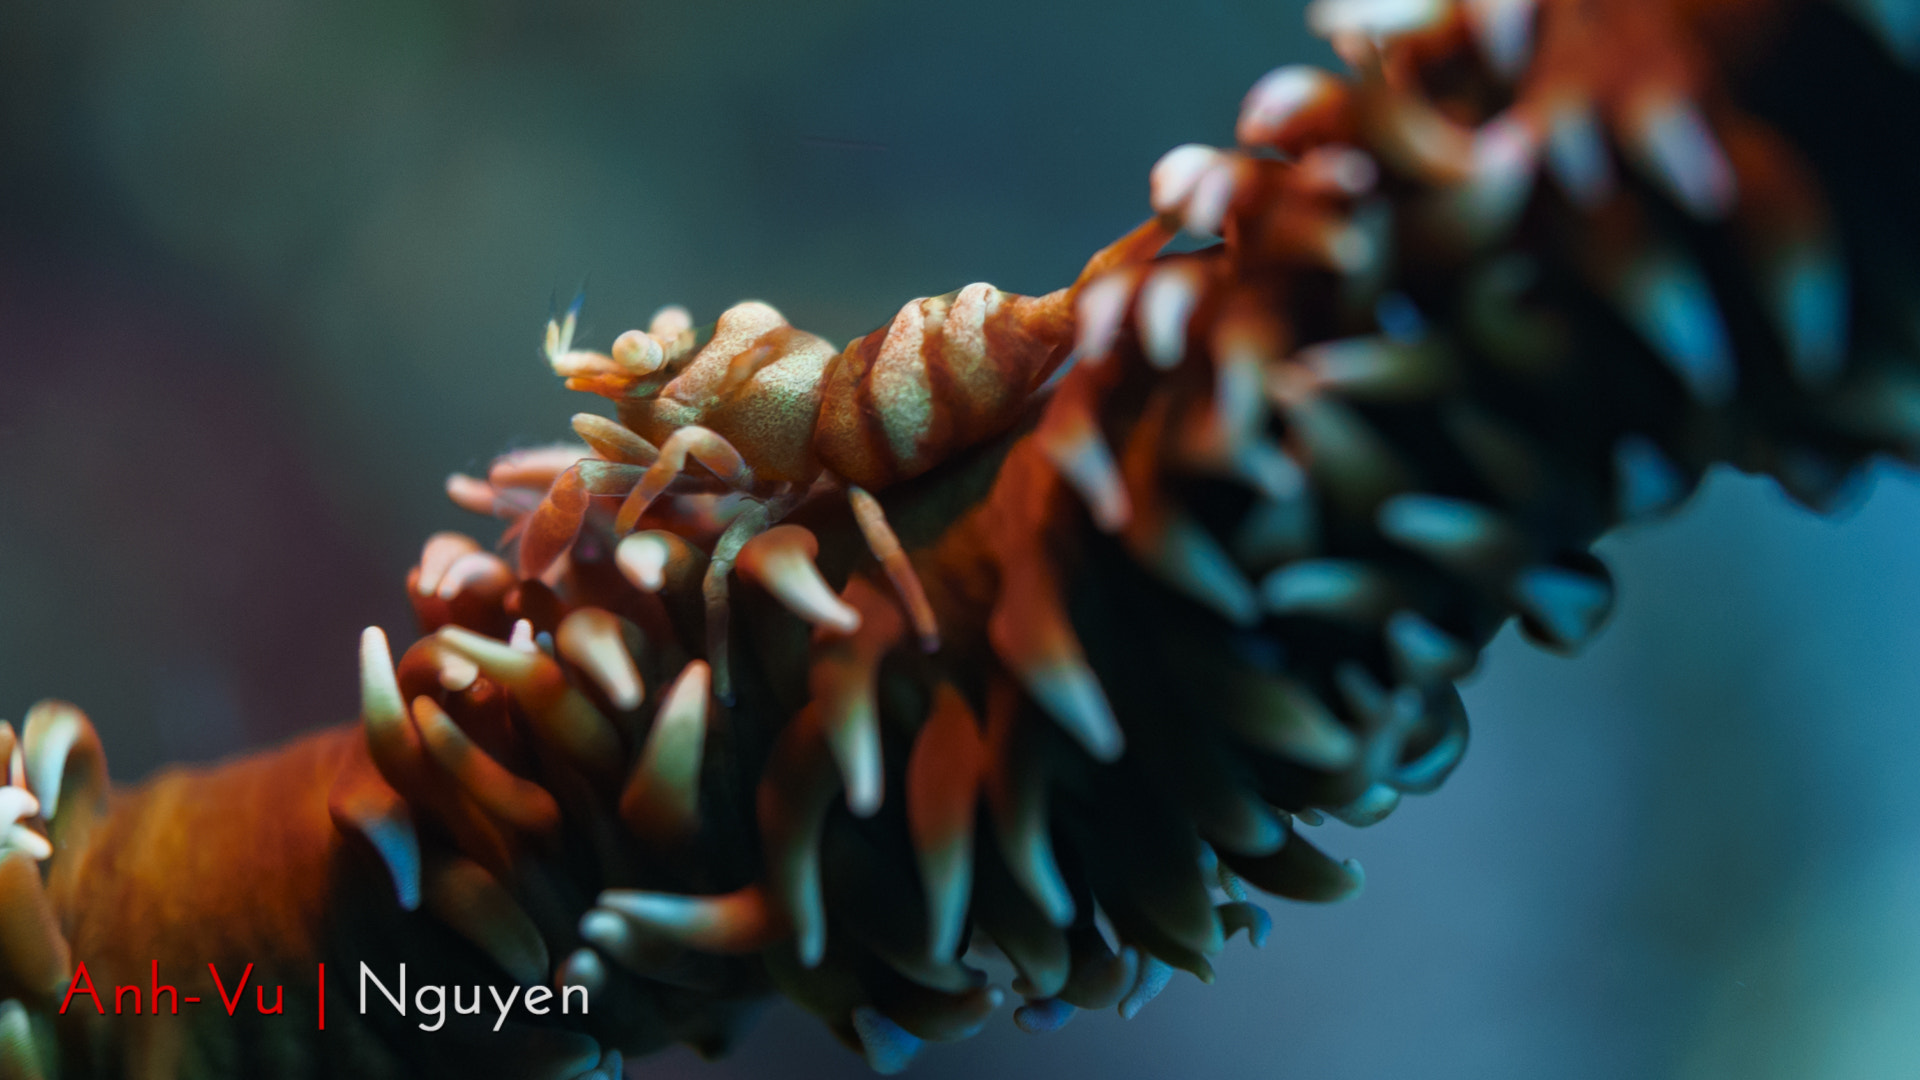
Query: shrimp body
(947, 373)
(757, 383)
(759, 408)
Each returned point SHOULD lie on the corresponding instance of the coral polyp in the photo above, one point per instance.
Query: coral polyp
(1047, 627)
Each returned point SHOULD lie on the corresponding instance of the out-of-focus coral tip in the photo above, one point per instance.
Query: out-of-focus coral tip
(19, 1055)
(737, 922)
(1384, 19)
(943, 782)
(851, 716)
(467, 898)
(1174, 176)
(1324, 586)
(670, 322)
(662, 797)
(1453, 532)
(60, 751)
(1424, 653)
(19, 837)
(1154, 976)
(439, 553)
(1672, 304)
(889, 1048)
(520, 803)
(1647, 482)
(522, 636)
(471, 494)
(1299, 871)
(583, 967)
(1031, 634)
(1075, 447)
(481, 572)
(607, 931)
(1186, 556)
(1100, 310)
(1811, 296)
(1341, 170)
(1372, 807)
(1578, 156)
(1042, 1015)
(1505, 158)
(593, 641)
(1896, 23)
(1194, 187)
(1568, 606)
(642, 558)
(1350, 249)
(1167, 301)
(1285, 102)
(561, 715)
(1680, 150)
(781, 561)
(1242, 915)
(380, 701)
(1505, 32)
(1364, 366)
(492, 654)
(391, 739)
(533, 466)
(17, 803)
(1071, 692)
(377, 814)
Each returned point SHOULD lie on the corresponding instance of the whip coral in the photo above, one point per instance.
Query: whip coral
(1046, 624)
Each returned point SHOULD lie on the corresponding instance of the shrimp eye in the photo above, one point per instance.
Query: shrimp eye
(637, 353)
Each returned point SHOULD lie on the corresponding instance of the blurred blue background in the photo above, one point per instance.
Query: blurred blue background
(270, 269)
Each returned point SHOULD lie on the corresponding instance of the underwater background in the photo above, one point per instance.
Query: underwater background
(270, 269)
